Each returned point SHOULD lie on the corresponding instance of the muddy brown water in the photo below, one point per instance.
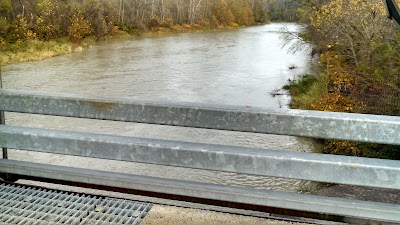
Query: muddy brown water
(235, 67)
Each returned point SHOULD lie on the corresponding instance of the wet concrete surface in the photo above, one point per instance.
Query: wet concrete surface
(169, 215)
(361, 193)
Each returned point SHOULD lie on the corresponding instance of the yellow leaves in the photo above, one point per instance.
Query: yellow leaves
(334, 102)
(30, 35)
(46, 7)
(223, 13)
(39, 20)
(21, 29)
(338, 13)
(79, 28)
(348, 108)
(341, 79)
(340, 84)
(48, 19)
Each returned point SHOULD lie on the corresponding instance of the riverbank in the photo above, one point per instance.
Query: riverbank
(37, 50)
(32, 50)
(339, 88)
(358, 70)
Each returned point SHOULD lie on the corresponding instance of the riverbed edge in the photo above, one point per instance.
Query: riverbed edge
(35, 50)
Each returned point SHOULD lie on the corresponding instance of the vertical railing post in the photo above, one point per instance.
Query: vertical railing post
(2, 119)
(4, 176)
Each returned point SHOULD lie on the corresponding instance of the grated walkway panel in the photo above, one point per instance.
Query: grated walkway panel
(31, 205)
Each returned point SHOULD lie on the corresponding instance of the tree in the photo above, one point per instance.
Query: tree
(93, 11)
(193, 7)
(242, 12)
(223, 13)
(260, 12)
(352, 26)
(79, 28)
(5, 9)
(48, 21)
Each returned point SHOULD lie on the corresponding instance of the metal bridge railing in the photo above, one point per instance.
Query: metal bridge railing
(306, 166)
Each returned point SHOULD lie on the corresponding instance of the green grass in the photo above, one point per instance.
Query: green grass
(301, 85)
(305, 90)
(33, 50)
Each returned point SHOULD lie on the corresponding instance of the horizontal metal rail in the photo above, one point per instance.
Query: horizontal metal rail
(310, 203)
(343, 126)
(299, 165)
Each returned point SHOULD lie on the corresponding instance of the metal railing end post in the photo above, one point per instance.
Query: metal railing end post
(2, 118)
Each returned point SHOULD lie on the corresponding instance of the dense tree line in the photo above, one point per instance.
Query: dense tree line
(22, 20)
(284, 10)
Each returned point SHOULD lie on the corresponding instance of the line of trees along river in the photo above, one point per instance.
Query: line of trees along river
(48, 19)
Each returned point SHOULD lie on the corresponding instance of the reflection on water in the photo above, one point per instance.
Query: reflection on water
(235, 67)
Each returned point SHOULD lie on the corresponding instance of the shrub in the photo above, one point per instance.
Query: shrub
(79, 29)
(20, 30)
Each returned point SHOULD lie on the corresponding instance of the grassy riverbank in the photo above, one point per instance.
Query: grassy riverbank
(32, 50)
(303, 91)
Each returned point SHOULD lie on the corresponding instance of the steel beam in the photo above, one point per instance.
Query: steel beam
(343, 126)
(2, 122)
(298, 165)
(345, 207)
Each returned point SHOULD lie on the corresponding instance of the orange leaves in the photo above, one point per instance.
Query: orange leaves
(334, 102)
(360, 66)
(340, 85)
(79, 28)
(223, 13)
(342, 148)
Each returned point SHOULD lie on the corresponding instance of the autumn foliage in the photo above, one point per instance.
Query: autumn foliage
(79, 28)
(361, 58)
(359, 62)
(46, 20)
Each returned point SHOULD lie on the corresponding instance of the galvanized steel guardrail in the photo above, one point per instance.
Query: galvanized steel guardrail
(343, 126)
(307, 166)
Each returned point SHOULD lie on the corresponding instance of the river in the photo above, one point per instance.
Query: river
(234, 67)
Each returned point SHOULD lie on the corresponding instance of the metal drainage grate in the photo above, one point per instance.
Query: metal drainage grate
(28, 205)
